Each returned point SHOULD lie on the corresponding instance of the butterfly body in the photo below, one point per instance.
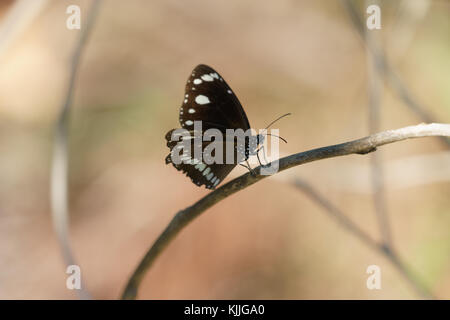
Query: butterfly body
(209, 101)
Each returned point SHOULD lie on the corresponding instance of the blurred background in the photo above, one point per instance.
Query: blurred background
(269, 241)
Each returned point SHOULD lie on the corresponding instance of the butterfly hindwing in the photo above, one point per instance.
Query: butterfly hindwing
(208, 175)
(200, 172)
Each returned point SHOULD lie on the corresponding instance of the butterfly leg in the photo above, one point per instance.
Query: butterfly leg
(257, 156)
(265, 159)
(252, 172)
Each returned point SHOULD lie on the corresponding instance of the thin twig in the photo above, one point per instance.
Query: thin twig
(183, 217)
(350, 226)
(387, 70)
(59, 175)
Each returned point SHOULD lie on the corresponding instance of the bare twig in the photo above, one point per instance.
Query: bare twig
(59, 179)
(386, 70)
(350, 226)
(183, 217)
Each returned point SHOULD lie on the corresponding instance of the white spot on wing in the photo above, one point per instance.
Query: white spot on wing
(214, 75)
(229, 91)
(206, 171)
(189, 122)
(197, 81)
(200, 167)
(201, 99)
(191, 110)
(209, 176)
(207, 77)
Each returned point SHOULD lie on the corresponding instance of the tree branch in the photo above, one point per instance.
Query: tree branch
(183, 217)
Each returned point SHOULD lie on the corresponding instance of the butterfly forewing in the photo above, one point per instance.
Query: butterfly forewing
(209, 99)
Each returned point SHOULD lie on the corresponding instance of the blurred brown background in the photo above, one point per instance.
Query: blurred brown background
(268, 241)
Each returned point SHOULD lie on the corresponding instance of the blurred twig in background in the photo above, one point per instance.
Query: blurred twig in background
(374, 92)
(360, 146)
(59, 172)
(387, 70)
(407, 19)
(19, 16)
(349, 225)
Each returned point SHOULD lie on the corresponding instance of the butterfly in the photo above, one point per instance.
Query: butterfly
(209, 99)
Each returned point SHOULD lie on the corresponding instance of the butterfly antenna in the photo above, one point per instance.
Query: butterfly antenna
(273, 135)
(284, 115)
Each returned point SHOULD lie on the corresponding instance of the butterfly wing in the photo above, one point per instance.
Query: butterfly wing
(209, 98)
(209, 175)
(202, 174)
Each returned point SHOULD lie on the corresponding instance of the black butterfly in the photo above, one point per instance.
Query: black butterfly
(209, 99)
